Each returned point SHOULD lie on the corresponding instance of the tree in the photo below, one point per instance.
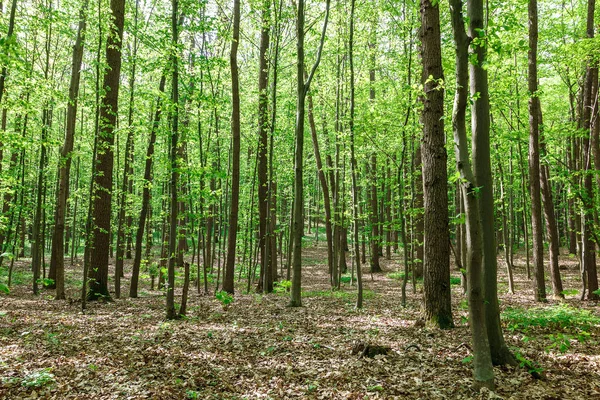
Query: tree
(301, 91)
(64, 167)
(534, 158)
(173, 162)
(103, 178)
(483, 372)
(436, 262)
(235, 152)
(482, 171)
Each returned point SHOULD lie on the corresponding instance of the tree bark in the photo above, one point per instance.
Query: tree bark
(64, 167)
(235, 168)
(534, 158)
(436, 261)
(139, 237)
(480, 128)
(103, 178)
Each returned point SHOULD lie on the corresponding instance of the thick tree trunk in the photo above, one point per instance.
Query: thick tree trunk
(103, 178)
(436, 261)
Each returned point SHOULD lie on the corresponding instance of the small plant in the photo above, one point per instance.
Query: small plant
(532, 367)
(38, 379)
(225, 298)
(562, 317)
(4, 289)
(455, 280)
(346, 279)
(597, 292)
(282, 286)
(570, 292)
(52, 339)
(192, 394)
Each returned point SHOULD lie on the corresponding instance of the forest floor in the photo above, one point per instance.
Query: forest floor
(258, 348)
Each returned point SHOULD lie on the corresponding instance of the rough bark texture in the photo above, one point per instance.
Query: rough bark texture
(103, 178)
(436, 262)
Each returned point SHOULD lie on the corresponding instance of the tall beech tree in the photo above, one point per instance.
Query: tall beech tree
(483, 372)
(302, 88)
(482, 171)
(535, 113)
(174, 163)
(57, 264)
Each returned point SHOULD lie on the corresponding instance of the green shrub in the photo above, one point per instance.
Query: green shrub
(282, 286)
(455, 280)
(561, 316)
(225, 298)
(38, 379)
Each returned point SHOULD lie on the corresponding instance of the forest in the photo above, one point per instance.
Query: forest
(307, 199)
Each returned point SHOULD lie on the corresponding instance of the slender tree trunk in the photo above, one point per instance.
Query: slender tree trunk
(266, 282)
(139, 237)
(354, 165)
(325, 189)
(174, 163)
(235, 172)
(64, 167)
(534, 158)
(298, 206)
(483, 179)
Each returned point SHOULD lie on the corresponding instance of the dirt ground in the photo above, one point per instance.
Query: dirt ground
(258, 348)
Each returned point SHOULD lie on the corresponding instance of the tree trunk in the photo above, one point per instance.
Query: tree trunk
(174, 164)
(436, 261)
(139, 237)
(64, 167)
(483, 179)
(103, 178)
(534, 158)
(235, 168)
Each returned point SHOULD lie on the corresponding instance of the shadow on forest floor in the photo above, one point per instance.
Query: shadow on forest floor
(259, 348)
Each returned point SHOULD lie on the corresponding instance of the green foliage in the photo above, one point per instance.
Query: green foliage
(346, 279)
(225, 298)
(597, 292)
(38, 379)
(454, 280)
(283, 286)
(4, 289)
(562, 317)
(192, 394)
(531, 366)
(570, 292)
